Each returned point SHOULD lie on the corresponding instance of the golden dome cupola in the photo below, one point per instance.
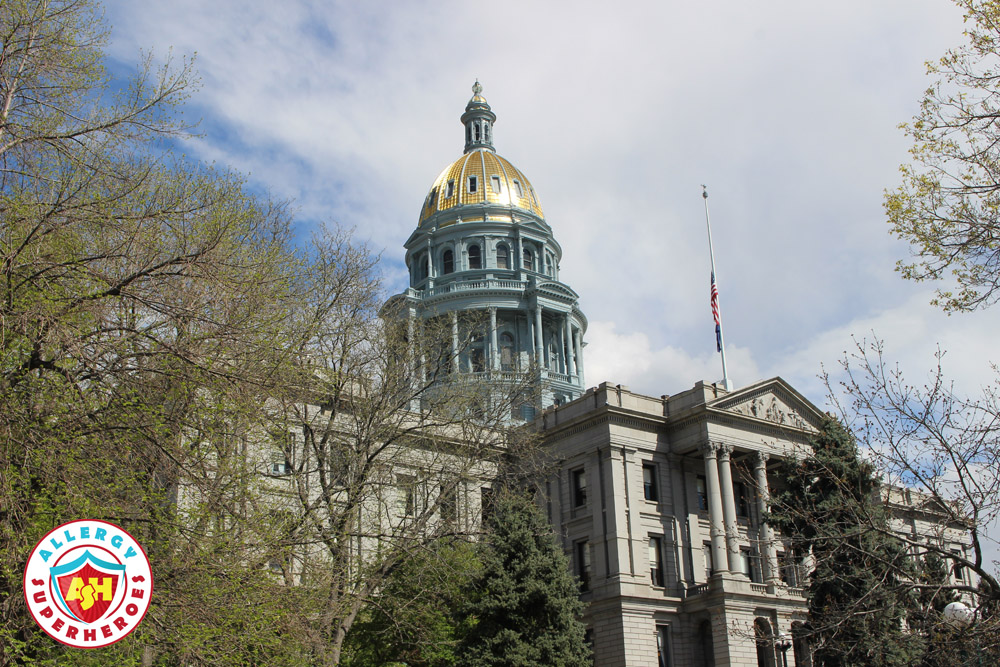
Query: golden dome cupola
(478, 120)
(482, 247)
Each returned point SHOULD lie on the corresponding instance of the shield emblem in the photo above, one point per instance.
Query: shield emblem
(88, 586)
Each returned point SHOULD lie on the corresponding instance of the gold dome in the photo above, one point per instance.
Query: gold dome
(480, 177)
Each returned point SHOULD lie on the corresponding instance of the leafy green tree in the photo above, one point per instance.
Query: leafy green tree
(525, 609)
(415, 618)
(947, 206)
(859, 593)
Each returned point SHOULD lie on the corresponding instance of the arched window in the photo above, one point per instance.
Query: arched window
(506, 352)
(503, 257)
(548, 264)
(528, 263)
(423, 267)
(475, 257)
(448, 262)
(765, 643)
(486, 131)
(477, 131)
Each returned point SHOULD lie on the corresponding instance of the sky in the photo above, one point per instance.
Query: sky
(788, 111)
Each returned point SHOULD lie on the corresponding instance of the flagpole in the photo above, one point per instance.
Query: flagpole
(717, 309)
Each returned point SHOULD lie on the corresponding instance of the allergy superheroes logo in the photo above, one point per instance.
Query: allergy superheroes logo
(88, 583)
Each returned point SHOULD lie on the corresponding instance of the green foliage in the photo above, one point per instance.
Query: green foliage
(525, 609)
(948, 204)
(858, 593)
(415, 618)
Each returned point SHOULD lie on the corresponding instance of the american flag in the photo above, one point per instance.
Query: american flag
(715, 314)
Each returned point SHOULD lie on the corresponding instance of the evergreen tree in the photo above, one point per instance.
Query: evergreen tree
(860, 588)
(526, 609)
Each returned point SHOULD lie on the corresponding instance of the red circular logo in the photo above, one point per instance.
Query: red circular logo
(88, 583)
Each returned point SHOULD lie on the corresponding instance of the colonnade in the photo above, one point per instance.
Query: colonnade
(723, 528)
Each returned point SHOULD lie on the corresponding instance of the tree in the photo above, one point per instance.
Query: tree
(948, 203)
(414, 619)
(859, 594)
(526, 609)
(941, 448)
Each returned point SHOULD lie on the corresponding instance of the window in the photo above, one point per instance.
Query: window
(742, 499)
(588, 639)
(495, 182)
(449, 506)
(473, 184)
(655, 560)
(663, 646)
(486, 499)
(451, 189)
(280, 465)
(430, 198)
(706, 552)
(957, 567)
(750, 564)
(477, 358)
(702, 493)
(649, 489)
(475, 257)
(517, 188)
(486, 131)
(528, 261)
(424, 268)
(407, 498)
(506, 352)
(579, 482)
(581, 560)
(476, 134)
(503, 257)
(448, 262)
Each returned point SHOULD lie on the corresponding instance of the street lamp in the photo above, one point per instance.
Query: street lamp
(784, 642)
(958, 614)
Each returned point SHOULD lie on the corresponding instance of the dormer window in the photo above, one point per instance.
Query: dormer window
(475, 257)
(495, 182)
(451, 189)
(517, 188)
(473, 184)
(430, 198)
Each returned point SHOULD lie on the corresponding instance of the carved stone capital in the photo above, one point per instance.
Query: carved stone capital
(725, 451)
(760, 458)
(710, 449)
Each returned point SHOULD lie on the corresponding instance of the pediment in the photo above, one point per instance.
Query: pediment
(772, 401)
(553, 288)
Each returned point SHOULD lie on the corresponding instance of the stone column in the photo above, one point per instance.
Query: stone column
(769, 554)
(494, 346)
(539, 338)
(561, 353)
(717, 530)
(579, 356)
(729, 507)
(569, 348)
(454, 341)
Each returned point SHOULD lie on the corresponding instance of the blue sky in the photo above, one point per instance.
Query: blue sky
(787, 110)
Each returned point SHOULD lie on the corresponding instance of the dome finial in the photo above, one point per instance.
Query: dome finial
(476, 87)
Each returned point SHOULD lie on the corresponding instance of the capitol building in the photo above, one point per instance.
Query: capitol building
(657, 500)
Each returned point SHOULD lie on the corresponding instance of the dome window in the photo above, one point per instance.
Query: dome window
(431, 197)
(506, 352)
(473, 184)
(528, 263)
(448, 262)
(495, 182)
(475, 257)
(486, 132)
(451, 189)
(476, 131)
(503, 257)
(517, 188)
